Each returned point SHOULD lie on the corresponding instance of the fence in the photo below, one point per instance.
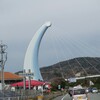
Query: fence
(19, 94)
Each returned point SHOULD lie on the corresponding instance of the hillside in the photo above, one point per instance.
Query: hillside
(81, 66)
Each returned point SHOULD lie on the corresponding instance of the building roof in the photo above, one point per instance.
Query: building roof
(32, 82)
(11, 76)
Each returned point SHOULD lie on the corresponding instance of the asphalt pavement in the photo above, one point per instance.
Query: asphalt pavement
(91, 96)
(94, 96)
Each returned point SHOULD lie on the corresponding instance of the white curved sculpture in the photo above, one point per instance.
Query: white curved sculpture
(31, 57)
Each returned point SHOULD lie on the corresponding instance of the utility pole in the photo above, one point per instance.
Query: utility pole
(27, 75)
(24, 79)
(29, 71)
(3, 59)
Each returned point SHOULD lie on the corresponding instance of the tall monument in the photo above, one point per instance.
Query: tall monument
(31, 56)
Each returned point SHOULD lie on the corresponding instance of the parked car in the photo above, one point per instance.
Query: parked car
(94, 90)
(88, 90)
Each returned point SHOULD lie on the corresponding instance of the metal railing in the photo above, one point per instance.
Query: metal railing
(19, 94)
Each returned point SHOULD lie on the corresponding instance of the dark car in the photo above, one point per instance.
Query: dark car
(88, 90)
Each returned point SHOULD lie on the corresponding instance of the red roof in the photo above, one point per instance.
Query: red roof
(33, 83)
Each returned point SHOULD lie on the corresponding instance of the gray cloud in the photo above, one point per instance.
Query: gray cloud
(72, 20)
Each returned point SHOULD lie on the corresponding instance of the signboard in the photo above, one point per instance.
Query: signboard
(72, 80)
(27, 74)
(59, 86)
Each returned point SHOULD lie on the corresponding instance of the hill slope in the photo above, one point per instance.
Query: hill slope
(81, 66)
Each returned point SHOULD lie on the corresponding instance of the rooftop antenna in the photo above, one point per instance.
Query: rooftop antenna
(3, 59)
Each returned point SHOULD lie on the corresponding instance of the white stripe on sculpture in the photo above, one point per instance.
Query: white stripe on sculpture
(31, 56)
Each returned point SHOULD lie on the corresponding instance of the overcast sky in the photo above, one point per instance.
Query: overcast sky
(75, 29)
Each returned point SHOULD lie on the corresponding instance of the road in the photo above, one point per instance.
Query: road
(92, 96)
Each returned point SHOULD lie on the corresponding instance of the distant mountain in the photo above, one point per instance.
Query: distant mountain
(81, 66)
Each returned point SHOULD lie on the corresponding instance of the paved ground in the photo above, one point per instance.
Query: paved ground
(92, 96)
(64, 97)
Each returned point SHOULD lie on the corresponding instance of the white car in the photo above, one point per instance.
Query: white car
(78, 94)
(94, 90)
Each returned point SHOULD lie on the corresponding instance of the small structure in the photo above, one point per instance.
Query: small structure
(11, 78)
(33, 83)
